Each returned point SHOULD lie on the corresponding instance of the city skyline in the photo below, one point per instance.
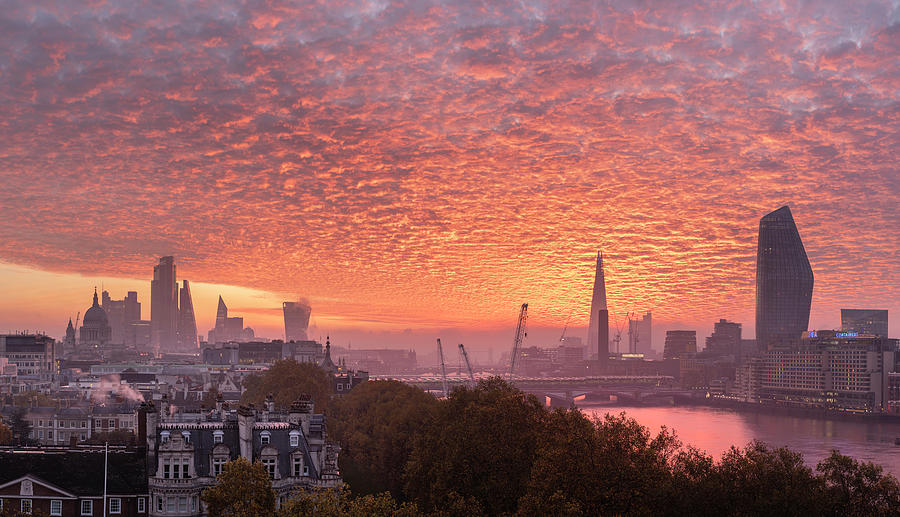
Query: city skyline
(275, 149)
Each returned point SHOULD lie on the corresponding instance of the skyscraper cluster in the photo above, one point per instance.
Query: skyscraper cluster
(173, 327)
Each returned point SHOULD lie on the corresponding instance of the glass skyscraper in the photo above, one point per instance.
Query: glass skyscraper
(784, 282)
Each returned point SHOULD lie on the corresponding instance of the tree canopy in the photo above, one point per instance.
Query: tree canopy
(243, 489)
(286, 380)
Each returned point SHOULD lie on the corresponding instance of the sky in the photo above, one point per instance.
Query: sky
(422, 168)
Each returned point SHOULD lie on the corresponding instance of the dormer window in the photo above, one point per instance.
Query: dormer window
(164, 436)
(218, 436)
(265, 437)
(187, 436)
(295, 438)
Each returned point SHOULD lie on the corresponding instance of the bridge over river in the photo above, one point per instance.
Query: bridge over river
(563, 391)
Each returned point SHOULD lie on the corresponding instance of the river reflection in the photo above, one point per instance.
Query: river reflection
(715, 430)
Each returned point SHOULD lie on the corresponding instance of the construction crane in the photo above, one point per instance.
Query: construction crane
(443, 368)
(462, 350)
(77, 317)
(517, 341)
(565, 328)
(618, 337)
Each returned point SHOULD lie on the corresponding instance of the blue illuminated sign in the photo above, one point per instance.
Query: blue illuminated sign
(812, 333)
(847, 334)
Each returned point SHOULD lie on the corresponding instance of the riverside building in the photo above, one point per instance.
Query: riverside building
(827, 369)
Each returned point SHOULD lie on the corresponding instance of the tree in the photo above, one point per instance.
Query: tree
(480, 445)
(340, 503)
(6, 436)
(243, 489)
(20, 427)
(606, 466)
(375, 424)
(858, 488)
(210, 398)
(759, 480)
(286, 380)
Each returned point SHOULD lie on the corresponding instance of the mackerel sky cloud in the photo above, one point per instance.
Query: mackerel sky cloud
(435, 164)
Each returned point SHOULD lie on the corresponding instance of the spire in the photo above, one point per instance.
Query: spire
(96, 303)
(598, 304)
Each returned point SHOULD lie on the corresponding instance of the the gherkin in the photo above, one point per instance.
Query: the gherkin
(784, 282)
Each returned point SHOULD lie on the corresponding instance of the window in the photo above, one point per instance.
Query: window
(218, 465)
(83, 424)
(164, 436)
(217, 436)
(97, 423)
(295, 439)
(194, 504)
(297, 466)
(159, 504)
(176, 468)
(55, 507)
(170, 504)
(182, 504)
(141, 504)
(87, 507)
(166, 468)
(49, 435)
(82, 437)
(340, 387)
(112, 423)
(115, 505)
(185, 473)
(26, 506)
(305, 470)
(269, 463)
(264, 438)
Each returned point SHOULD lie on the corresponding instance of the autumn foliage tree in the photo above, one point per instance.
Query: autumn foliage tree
(243, 489)
(286, 380)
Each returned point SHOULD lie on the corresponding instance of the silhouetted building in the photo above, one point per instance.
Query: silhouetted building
(640, 337)
(725, 340)
(187, 324)
(95, 329)
(228, 328)
(784, 282)
(121, 314)
(865, 321)
(598, 328)
(680, 343)
(296, 320)
(69, 341)
(164, 305)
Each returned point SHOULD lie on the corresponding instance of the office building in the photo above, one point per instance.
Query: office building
(33, 354)
(865, 321)
(725, 340)
(680, 344)
(187, 324)
(121, 314)
(640, 337)
(164, 305)
(228, 328)
(825, 369)
(598, 328)
(296, 320)
(784, 282)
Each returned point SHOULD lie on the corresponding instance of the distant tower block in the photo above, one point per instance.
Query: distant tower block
(296, 320)
(598, 331)
(784, 282)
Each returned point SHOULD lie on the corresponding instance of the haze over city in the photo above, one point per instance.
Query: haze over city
(427, 167)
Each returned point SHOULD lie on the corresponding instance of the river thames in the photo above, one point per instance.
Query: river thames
(714, 430)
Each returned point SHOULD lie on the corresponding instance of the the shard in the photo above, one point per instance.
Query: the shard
(598, 330)
(784, 282)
